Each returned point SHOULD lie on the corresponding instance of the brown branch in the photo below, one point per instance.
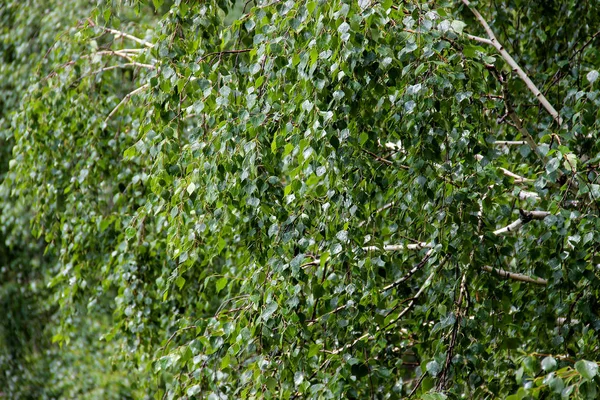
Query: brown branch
(410, 273)
(218, 53)
(380, 159)
(509, 142)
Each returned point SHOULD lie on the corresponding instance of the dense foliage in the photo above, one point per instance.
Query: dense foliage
(299, 199)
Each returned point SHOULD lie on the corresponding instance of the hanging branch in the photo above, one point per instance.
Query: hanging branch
(125, 65)
(509, 142)
(525, 217)
(515, 276)
(128, 36)
(380, 209)
(443, 380)
(400, 247)
(514, 66)
(517, 178)
(126, 99)
(410, 273)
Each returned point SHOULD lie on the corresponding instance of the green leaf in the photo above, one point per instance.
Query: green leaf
(458, 26)
(549, 364)
(190, 188)
(180, 281)
(130, 232)
(269, 309)
(434, 368)
(193, 390)
(552, 165)
(271, 383)
(221, 283)
(587, 369)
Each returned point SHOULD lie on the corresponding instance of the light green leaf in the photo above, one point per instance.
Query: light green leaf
(221, 283)
(587, 369)
(269, 310)
(458, 26)
(549, 364)
(190, 188)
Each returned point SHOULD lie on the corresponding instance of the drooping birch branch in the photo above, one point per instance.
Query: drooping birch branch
(515, 276)
(525, 217)
(513, 64)
(125, 65)
(128, 36)
(400, 247)
(509, 142)
(409, 307)
(517, 178)
(126, 99)
(409, 273)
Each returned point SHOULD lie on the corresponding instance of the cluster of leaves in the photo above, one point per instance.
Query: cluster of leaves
(315, 198)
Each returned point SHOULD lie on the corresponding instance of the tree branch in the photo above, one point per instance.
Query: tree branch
(400, 247)
(509, 142)
(480, 39)
(409, 273)
(218, 53)
(525, 217)
(128, 36)
(513, 64)
(515, 276)
(126, 99)
(517, 178)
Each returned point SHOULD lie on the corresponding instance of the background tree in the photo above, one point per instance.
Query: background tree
(316, 199)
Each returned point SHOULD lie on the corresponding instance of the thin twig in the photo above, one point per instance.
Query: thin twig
(380, 209)
(218, 53)
(129, 64)
(410, 273)
(412, 392)
(375, 156)
(458, 316)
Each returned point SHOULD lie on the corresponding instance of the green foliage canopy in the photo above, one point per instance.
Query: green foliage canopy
(318, 199)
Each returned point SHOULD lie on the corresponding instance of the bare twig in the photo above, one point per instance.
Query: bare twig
(410, 273)
(412, 392)
(380, 159)
(441, 386)
(380, 209)
(129, 64)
